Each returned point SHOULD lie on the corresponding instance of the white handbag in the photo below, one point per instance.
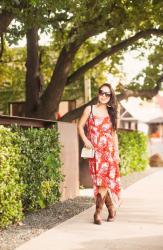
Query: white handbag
(87, 152)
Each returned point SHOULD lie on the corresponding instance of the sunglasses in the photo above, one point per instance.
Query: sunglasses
(103, 93)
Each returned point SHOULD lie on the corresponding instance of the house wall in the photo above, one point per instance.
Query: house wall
(125, 124)
(70, 158)
(143, 127)
(155, 146)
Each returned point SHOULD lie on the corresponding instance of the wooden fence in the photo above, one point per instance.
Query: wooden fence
(25, 122)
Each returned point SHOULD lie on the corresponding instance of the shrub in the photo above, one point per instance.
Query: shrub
(40, 167)
(11, 188)
(30, 174)
(133, 151)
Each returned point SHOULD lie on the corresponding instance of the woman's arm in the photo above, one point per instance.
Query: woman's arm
(115, 138)
(81, 125)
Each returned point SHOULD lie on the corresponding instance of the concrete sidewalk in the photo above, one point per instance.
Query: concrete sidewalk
(138, 226)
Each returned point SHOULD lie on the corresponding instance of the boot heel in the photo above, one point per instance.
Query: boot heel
(96, 220)
(112, 214)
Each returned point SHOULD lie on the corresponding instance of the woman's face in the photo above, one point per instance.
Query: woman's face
(104, 95)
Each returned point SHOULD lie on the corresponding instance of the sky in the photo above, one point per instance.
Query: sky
(132, 65)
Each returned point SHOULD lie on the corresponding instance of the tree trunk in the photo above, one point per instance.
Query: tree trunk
(32, 74)
(2, 46)
(50, 100)
(5, 20)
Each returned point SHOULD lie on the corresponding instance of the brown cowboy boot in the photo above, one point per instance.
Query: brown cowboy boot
(110, 207)
(99, 204)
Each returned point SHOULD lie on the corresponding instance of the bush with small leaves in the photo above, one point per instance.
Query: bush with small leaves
(11, 188)
(40, 167)
(30, 171)
(133, 150)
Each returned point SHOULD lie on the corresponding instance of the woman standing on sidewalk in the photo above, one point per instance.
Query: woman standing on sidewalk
(101, 121)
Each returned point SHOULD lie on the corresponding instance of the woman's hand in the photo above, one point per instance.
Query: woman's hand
(88, 144)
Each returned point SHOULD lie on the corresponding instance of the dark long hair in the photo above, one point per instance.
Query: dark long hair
(111, 105)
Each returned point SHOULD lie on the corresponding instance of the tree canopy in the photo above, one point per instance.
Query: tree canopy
(109, 27)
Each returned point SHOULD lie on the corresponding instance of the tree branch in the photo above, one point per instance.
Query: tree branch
(126, 93)
(148, 93)
(109, 52)
(76, 113)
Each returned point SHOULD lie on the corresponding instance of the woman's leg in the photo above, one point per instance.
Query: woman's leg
(110, 206)
(102, 191)
(100, 199)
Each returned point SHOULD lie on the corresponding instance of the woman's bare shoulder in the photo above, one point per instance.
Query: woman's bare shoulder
(87, 109)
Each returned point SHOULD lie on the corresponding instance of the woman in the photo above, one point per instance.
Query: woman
(101, 121)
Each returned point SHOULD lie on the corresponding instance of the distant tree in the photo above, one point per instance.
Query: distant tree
(12, 77)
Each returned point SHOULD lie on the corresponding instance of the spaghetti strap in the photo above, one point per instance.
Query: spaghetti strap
(90, 118)
(91, 113)
(91, 110)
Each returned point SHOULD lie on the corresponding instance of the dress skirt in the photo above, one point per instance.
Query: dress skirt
(104, 167)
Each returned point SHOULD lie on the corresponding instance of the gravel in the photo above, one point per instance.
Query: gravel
(44, 219)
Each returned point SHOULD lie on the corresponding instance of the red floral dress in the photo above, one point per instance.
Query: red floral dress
(104, 167)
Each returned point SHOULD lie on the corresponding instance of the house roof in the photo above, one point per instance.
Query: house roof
(156, 120)
(141, 110)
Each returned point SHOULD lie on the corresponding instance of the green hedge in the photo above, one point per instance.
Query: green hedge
(133, 150)
(35, 171)
(11, 188)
